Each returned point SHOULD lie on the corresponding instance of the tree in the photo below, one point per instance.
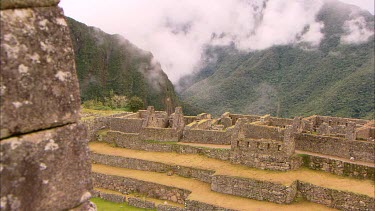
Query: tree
(135, 103)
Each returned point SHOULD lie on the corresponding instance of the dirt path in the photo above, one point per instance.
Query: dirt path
(319, 178)
(215, 146)
(202, 192)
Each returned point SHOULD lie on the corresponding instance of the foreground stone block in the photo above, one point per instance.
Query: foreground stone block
(46, 170)
(12, 4)
(38, 82)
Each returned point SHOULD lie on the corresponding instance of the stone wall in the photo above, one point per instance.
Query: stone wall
(127, 185)
(160, 134)
(366, 133)
(137, 202)
(254, 189)
(338, 167)
(165, 207)
(264, 155)
(144, 165)
(94, 125)
(250, 118)
(117, 198)
(333, 198)
(279, 122)
(244, 187)
(197, 205)
(126, 125)
(44, 155)
(263, 132)
(132, 141)
(340, 147)
(207, 136)
(337, 120)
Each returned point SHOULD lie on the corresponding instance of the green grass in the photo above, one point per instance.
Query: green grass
(103, 205)
(161, 142)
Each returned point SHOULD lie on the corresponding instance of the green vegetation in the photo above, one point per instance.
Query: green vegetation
(135, 103)
(115, 102)
(110, 70)
(103, 205)
(335, 79)
(161, 142)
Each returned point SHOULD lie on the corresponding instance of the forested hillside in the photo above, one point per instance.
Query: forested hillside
(109, 63)
(335, 79)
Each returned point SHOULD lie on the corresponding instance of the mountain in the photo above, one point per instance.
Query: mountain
(336, 79)
(107, 62)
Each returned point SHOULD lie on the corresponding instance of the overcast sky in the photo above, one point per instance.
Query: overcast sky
(177, 31)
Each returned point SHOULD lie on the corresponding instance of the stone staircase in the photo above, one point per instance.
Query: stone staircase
(188, 175)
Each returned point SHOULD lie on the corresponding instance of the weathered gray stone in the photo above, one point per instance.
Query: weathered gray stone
(166, 207)
(38, 82)
(46, 170)
(141, 203)
(12, 4)
(341, 200)
(197, 205)
(254, 189)
(127, 185)
(87, 206)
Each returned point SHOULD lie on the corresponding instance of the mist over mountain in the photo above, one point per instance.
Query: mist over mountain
(334, 77)
(107, 63)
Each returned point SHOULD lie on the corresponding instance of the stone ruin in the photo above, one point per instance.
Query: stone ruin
(44, 154)
(263, 142)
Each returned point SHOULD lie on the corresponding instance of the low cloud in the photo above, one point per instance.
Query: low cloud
(177, 32)
(356, 31)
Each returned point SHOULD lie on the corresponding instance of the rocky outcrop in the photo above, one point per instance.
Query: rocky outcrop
(44, 161)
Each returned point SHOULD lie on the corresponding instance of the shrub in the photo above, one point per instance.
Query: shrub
(135, 103)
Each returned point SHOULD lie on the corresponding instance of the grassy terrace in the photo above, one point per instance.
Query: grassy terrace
(202, 191)
(319, 178)
(103, 205)
(87, 114)
(156, 201)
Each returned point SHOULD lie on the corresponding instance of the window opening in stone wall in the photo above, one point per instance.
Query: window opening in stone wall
(248, 144)
(268, 146)
(279, 148)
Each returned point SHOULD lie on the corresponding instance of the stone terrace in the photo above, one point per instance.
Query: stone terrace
(153, 154)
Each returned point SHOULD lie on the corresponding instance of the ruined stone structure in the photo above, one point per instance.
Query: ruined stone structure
(44, 155)
(263, 142)
(336, 145)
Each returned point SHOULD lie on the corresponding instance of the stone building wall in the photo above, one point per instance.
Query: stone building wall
(126, 125)
(340, 147)
(44, 154)
(160, 134)
(339, 167)
(366, 133)
(207, 136)
(263, 132)
(250, 118)
(338, 120)
(279, 122)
